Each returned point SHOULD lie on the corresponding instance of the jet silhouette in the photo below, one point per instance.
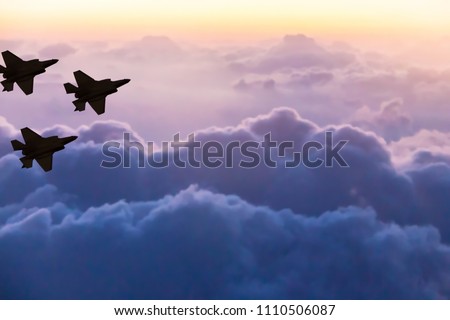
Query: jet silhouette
(92, 91)
(21, 72)
(39, 148)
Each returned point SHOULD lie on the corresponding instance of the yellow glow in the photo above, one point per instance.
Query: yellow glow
(211, 19)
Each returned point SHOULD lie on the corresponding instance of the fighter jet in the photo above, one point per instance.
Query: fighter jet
(39, 148)
(21, 72)
(92, 91)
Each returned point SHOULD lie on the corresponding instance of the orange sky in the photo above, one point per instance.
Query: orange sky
(231, 19)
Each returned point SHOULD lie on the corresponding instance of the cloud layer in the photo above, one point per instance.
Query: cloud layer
(378, 229)
(202, 245)
(220, 85)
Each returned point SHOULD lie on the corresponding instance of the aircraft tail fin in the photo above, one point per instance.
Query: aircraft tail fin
(26, 162)
(70, 88)
(79, 105)
(2, 69)
(7, 85)
(17, 145)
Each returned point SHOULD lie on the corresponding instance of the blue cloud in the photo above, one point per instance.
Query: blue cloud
(367, 231)
(199, 244)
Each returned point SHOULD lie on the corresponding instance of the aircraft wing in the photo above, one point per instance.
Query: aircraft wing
(11, 59)
(26, 85)
(98, 105)
(83, 79)
(46, 162)
(29, 135)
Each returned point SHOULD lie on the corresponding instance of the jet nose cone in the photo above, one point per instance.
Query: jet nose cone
(49, 63)
(70, 139)
(122, 82)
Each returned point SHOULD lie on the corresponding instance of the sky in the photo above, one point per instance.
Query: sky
(376, 74)
(224, 20)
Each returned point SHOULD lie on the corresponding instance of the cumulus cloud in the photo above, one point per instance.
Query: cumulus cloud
(372, 179)
(203, 245)
(377, 229)
(312, 78)
(7, 132)
(97, 133)
(426, 146)
(390, 121)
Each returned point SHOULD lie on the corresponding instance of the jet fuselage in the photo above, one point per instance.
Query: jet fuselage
(99, 90)
(45, 147)
(27, 69)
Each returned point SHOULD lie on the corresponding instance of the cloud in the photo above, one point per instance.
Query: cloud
(203, 245)
(300, 51)
(9, 44)
(378, 229)
(371, 180)
(266, 85)
(149, 48)
(98, 132)
(311, 78)
(57, 51)
(425, 144)
(389, 121)
(7, 132)
(323, 85)
(223, 84)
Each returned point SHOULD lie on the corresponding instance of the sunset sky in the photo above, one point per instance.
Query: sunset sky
(218, 20)
(376, 74)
